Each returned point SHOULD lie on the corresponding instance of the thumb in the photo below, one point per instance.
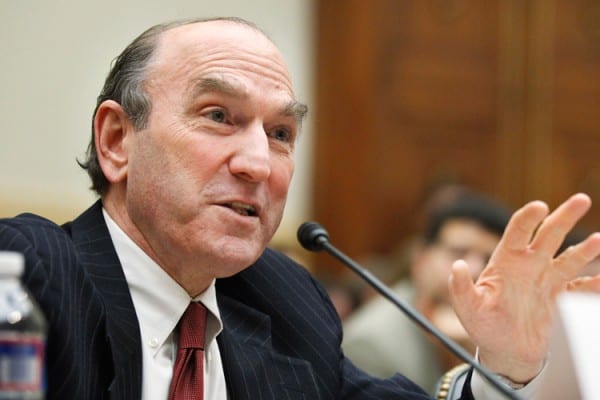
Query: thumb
(461, 287)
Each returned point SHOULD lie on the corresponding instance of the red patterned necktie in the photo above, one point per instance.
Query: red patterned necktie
(188, 372)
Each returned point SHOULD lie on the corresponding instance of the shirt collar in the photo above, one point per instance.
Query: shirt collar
(158, 299)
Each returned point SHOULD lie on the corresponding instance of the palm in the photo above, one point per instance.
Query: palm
(508, 311)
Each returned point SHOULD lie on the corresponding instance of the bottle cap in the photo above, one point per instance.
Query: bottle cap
(11, 263)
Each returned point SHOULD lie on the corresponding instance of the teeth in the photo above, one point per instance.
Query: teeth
(243, 209)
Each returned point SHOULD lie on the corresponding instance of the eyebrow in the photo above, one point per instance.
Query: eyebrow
(294, 108)
(212, 84)
(297, 110)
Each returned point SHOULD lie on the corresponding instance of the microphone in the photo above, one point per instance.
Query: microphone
(313, 237)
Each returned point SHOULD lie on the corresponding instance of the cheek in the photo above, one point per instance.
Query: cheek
(281, 176)
(279, 182)
(434, 270)
(145, 185)
(155, 174)
(171, 158)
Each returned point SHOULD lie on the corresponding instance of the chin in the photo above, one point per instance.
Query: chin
(235, 258)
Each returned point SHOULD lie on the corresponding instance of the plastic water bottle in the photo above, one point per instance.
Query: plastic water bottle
(22, 335)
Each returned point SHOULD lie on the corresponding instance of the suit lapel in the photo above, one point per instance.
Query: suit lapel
(99, 259)
(253, 369)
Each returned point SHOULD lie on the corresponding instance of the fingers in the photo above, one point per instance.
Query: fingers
(551, 233)
(574, 259)
(585, 284)
(522, 225)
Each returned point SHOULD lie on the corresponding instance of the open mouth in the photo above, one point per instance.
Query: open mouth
(243, 209)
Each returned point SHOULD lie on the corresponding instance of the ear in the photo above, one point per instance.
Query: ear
(112, 130)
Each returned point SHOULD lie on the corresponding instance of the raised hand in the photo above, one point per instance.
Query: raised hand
(508, 312)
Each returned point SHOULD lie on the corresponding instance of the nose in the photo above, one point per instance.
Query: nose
(252, 159)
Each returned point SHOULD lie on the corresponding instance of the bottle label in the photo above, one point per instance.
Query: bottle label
(21, 362)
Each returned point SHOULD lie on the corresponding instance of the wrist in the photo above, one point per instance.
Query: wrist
(513, 373)
(517, 377)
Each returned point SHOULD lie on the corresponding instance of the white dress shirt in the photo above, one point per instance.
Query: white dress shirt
(159, 303)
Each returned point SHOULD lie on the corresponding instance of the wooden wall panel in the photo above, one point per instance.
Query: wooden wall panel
(436, 94)
(500, 95)
(576, 103)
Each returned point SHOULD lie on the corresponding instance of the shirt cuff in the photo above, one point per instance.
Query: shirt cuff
(483, 390)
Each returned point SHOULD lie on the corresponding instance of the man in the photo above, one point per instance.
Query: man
(192, 155)
(383, 341)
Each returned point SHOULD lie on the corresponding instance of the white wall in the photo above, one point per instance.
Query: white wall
(53, 61)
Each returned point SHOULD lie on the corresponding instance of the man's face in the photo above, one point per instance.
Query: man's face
(207, 179)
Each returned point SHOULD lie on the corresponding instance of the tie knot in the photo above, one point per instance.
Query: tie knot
(192, 327)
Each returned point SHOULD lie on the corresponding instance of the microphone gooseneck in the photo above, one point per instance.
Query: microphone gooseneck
(313, 237)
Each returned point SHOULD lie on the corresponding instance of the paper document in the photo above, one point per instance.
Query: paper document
(574, 369)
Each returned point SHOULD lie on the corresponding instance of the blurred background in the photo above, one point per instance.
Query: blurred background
(406, 95)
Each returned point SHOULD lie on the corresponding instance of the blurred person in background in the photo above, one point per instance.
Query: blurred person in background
(459, 224)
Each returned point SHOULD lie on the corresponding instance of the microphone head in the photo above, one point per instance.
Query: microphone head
(312, 236)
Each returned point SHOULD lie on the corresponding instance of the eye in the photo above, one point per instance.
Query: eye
(217, 115)
(282, 134)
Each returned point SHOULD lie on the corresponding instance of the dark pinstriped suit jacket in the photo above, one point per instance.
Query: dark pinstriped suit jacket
(281, 337)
